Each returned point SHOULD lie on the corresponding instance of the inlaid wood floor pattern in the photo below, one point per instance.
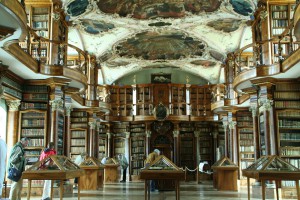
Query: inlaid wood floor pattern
(135, 191)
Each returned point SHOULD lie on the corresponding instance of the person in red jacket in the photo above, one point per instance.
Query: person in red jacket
(47, 184)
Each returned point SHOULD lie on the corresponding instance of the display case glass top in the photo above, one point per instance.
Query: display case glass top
(224, 162)
(53, 168)
(162, 163)
(91, 162)
(272, 163)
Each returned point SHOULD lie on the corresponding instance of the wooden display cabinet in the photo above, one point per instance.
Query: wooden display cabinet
(272, 168)
(94, 174)
(111, 171)
(163, 170)
(225, 174)
(53, 168)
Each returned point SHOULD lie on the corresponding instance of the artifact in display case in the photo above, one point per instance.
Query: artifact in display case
(162, 169)
(225, 174)
(94, 174)
(271, 168)
(53, 168)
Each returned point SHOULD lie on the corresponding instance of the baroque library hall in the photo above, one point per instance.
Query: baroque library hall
(209, 90)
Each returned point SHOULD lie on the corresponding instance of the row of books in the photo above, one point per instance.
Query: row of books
(287, 95)
(290, 136)
(33, 122)
(25, 105)
(138, 150)
(78, 134)
(246, 136)
(285, 123)
(288, 86)
(36, 143)
(139, 143)
(77, 150)
(32, 132)
(287, 104)
(79, 125)
(78, 142)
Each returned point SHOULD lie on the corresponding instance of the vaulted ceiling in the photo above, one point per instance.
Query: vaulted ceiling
(130, 37)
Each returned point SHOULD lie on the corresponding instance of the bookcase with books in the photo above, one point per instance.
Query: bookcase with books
(102, 151)
(281, 16)
(33, 119)
(78, 143)
(178, 99)
(187, 148)
(200, 99)
(286, 99)
(47, 20)
(144, 101)
(245, 139)
(119, 138)
(137, 148)
(78, 133)
(12, 87)
(205, 141)
(33, 125)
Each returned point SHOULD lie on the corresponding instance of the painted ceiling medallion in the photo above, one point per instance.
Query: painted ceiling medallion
(226, 25)
(205, 63)
(243, 7)
(157, 8)
(94, 26)
(77, 7)
(167, 45)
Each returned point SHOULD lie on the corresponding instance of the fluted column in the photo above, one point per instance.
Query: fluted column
(226, 138)
(233, 141)
(266, 107)
(56, 106)
(68, 110)
(257, 149)
(109, 137)
(197, 135)
(148, 136)
(176, 156)
(13, 121)
(92, 138)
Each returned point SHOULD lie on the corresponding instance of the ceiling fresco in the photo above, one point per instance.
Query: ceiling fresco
(132, 35)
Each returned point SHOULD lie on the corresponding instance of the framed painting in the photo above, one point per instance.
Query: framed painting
(160, 78)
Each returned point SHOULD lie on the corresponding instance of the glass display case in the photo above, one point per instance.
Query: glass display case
(94, 174)
(271, 168)
(225, 174)
(111, 171)
(53, 168)
(164, 171)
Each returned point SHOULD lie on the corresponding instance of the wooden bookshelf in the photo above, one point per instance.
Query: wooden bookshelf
(205, 142)
(281, 16)
(78, 143)
(287, 95)
(144, 102)
(178, 99)
(200, 100)
(187, 148)
(137, 147)
(78, 133)
(47, 20)
(119, 130)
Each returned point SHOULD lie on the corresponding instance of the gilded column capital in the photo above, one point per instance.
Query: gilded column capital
(148, 133)
(197, 134)
(92, 125)
(127, 135)
(13, 105)
(68, 109)
(56, 104)
(109, 135)
(266, 104)
(176, 133)
(231, 125)
(253, 109)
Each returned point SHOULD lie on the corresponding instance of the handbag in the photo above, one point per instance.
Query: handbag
(14, 174)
